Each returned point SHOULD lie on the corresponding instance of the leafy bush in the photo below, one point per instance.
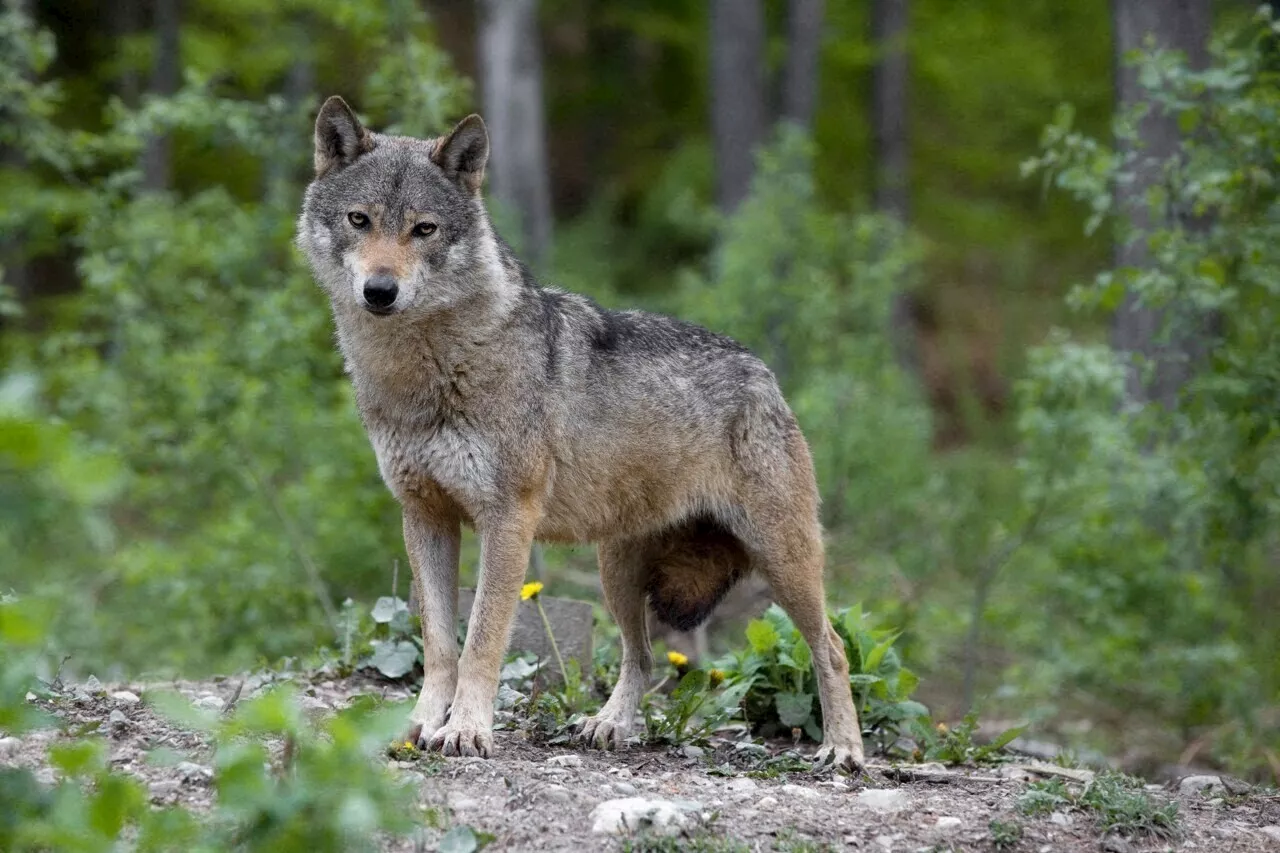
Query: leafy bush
(781, 690)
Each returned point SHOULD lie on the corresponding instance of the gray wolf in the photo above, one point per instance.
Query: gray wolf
(533, 414)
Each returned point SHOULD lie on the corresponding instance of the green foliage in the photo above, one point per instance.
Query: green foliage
(781, 694)
(1162, 524)
(956, 745)
(1041, 798)
(1117, 803)
(694, 710)
(1005, 835)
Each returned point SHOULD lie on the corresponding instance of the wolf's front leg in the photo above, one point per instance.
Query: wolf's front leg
(505, 541)
(432, 542)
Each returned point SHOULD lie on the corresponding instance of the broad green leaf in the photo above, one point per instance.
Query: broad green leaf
(78, 758)
(872, 661)
(394, 658)
(793, 708)
(762, 636)
(693, 683)
(1007, 737)
(801, 656)
(386, 608)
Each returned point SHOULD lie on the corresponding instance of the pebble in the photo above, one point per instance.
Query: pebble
(767, 803)
(883, 799)
(800, 791)
(1197, 785)
(209, 702)
(626, 789)
(9, 746)
(126, 697)
(162, 789)
(742, 785)
(692, 751)
(117, 718)
(192, 772)
(564, 761)
(948, 825)
(633, 814)
(93, 685)
(1060, 819)
(557, 794)
(1272, 832)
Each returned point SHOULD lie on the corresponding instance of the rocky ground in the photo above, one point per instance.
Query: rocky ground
(535, 797)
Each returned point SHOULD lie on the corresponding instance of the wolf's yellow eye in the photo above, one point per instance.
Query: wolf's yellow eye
(357, 219)
(424, 229)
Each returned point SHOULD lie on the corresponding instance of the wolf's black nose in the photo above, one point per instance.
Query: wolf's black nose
(380, 292)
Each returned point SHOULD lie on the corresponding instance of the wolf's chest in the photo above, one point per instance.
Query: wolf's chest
(444, 454)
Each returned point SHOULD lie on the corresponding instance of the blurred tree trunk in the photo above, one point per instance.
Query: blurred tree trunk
(166, 76)
(738, 114)
(1182, 25)
(511, 94)
(891, 154)
(124, 22)
(13, 260)
(804, 49)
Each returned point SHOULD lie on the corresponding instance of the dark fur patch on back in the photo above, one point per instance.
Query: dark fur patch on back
(691, 569)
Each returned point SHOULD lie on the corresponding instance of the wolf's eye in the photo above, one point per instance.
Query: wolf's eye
(424, 229)
(357, 219)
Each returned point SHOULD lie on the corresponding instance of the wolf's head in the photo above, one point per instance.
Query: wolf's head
(394, 225)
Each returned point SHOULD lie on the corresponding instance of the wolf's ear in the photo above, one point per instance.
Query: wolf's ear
(340, 138)
(463, 153)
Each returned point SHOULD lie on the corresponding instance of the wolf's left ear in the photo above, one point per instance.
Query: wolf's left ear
(340, 138)
(463, 153)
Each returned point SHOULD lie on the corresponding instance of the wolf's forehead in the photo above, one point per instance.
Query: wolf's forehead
(407, 180)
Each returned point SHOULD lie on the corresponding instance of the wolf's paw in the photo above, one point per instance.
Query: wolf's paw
(420, 730)
(604, 731)
(840, 756)
(459, 738)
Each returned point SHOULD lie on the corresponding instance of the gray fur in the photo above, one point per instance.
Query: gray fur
(532, 413)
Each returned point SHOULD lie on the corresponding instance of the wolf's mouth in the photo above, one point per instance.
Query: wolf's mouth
(381, 312)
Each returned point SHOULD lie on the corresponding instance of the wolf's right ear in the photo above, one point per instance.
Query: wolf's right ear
(462, 154)
(340, 138)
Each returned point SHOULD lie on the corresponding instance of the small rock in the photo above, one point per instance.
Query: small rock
(767, 803)
(620, 772)
(691, 751)
(209, 702)
(1060, 819)
(883, 799)
(117, 718)
(948, 825)
(800, 791)
(887, 841)
(192, 772)
(1193, 786)
(126, 697)
(557, 794)
(1272, 832)
(31, 697)
(742, 785)
(626, 789)
(464, 804)
(508, 697)
(634, 814)
(92, 685)
(565, 761)
(9, 746)
(1115, 844)
(160, 790)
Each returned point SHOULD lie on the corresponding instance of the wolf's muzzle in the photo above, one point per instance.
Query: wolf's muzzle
(380, 293)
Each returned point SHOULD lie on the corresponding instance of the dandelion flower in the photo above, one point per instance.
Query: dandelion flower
(677, 660)
(409, 745)
(530, 590)
(715, 677)
(942, 728)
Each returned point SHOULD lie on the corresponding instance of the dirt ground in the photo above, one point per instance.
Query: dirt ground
(534, 797)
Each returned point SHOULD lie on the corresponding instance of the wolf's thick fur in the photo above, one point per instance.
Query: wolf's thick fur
(535, 414)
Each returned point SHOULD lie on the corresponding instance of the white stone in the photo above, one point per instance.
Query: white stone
(742, 785)
(565, 761)
(767, 803)
(92, 685)
(1272, 832)
(9, 746)
(635, 814)
(192, 772)
(126, 697)
(626, 789)
(948, 825)
(1196, 785)
(557, 794)
(800, 791)
(117, 718)
(692, 751)
(1060, 819)
(883, 799)
(210, 702)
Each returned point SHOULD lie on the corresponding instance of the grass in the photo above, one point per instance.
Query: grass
(1117, 803)
(1005, 834)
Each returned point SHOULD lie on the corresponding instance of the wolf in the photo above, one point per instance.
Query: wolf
(531, 414)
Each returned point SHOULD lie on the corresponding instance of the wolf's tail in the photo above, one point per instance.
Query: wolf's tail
(691, 568)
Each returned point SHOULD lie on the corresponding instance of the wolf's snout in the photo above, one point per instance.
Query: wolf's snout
(380, 293)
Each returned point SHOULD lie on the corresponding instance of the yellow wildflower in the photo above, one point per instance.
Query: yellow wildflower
(409, 745)
(530, 590)
(715, 677)
(942, 728)
(677, 660)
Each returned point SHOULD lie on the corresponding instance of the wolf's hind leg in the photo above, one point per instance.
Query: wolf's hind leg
(623, 574)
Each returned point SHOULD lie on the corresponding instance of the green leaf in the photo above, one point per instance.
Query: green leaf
(801, 655)
(77, 758)
(464, 839)
(794, 709)
(762, 636)
(872, 661)
(1007, 737)
(386, 608)
(394, 659)
(693, 683)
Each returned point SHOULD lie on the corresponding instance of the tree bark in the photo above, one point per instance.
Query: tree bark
(738, 114)
(166, 76)
(1137, 329)
(511, 92)
(889, 107)
(804, 49)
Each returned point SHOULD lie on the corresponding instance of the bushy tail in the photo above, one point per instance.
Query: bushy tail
(692, 567)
